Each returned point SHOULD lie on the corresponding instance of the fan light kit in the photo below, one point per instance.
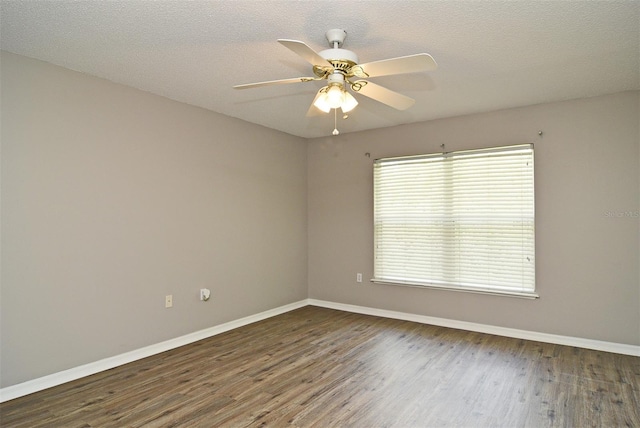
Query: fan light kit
(340, 68)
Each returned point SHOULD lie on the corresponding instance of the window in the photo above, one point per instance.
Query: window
(459, 220)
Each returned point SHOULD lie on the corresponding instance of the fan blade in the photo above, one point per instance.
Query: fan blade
(308, 54)
(382, 94)
(275, 82)
(400, 65)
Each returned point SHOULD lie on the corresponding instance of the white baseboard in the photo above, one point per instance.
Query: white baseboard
(65, 376)
(618, 348)
(39, 384)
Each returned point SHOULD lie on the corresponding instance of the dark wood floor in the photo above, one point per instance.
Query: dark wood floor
(320, 367)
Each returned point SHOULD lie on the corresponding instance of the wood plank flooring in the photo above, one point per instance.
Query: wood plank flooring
(317, 367)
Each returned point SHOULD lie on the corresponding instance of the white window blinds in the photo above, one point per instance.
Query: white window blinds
(462, 220)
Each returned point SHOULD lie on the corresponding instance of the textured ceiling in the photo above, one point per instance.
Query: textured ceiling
(491, 55)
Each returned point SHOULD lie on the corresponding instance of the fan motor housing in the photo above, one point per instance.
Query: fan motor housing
(339, 55)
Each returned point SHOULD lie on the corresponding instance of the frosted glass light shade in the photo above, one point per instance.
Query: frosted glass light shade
(321, 103)
(349, 102)
(335, 96)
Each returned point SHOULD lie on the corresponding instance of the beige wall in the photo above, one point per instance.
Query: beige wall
(113, 198)
(587, 175)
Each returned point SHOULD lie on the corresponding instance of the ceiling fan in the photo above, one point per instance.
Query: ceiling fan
(340, 68)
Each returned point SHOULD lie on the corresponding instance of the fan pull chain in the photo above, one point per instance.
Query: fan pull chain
(335, 122)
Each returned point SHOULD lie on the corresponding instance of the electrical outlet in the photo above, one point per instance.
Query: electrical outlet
(168, 301)
(359, 277)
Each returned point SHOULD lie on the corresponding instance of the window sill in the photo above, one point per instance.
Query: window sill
(521, 295)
